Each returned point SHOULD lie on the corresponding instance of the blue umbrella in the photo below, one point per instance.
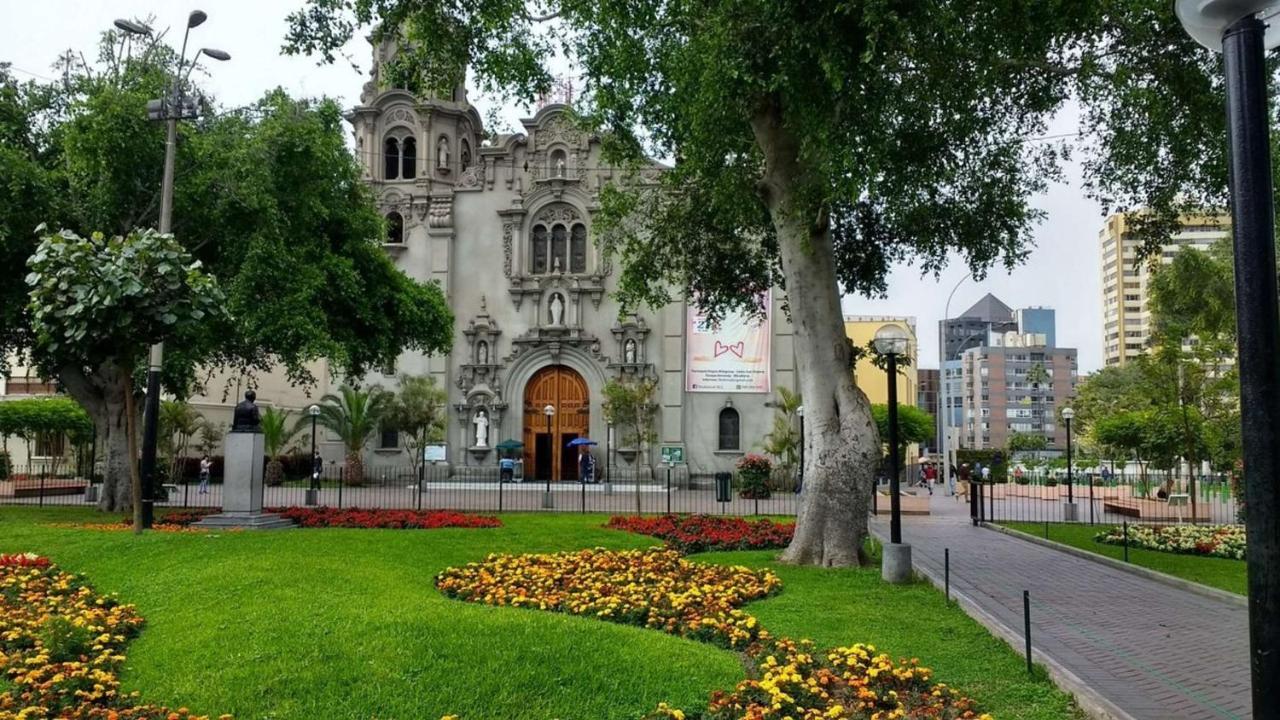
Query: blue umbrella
(581, 441)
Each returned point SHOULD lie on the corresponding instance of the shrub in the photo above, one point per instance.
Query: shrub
(753, 476)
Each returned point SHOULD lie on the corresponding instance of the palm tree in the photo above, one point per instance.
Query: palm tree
(353, 415)
(276, 436)
(179, 422)
(783, 441)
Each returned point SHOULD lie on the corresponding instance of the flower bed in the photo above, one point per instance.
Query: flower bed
(699, 533)
(659, 589)
(327, 517)
(319, 517)
(1225, 541)
(62, 646)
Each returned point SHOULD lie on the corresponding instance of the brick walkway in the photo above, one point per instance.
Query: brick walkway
(1152, 650)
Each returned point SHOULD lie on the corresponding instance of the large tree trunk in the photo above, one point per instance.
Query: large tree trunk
(841, 444)
(99, 392)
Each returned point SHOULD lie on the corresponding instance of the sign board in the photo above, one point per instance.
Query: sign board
(733, 355)
(672, 454)
(433, 453)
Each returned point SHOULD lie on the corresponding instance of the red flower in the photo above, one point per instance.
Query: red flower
(698, 533)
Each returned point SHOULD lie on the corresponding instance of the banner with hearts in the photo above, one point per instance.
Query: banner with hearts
(733, 355)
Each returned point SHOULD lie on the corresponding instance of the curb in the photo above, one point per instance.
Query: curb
(1148, 573)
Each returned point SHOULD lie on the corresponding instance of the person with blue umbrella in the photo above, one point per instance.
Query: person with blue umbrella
(586, 461)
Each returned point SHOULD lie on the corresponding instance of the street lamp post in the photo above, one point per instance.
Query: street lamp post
(1069, 510)
(169, 109)
(547, 500)
(800, 481)
(314, 491)
(1237, 29)
(945, 414)
(892, 341)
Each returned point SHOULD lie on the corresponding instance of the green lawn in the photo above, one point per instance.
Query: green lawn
(347, 624)
(1221, 573)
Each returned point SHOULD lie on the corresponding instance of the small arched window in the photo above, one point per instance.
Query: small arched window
(559, 241)
(395, 227)
(539, 249)
(464, 154)
(409, 159)
(730, 426)
(391, 158)
(578, 249)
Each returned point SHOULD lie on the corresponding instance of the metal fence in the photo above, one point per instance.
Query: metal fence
(1092, 499)
(477, 489)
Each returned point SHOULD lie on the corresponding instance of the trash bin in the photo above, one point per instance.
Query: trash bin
(723, 491)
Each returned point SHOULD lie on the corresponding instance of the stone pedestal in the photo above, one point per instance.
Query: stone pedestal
(895, 563)
(242, 487)
(1070, 512)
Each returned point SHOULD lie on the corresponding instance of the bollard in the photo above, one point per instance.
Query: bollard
(340, 484)
(186, 490)
(43, 474)
(584, 498)
(946, 574)
(1126, 541)
(1026, 624)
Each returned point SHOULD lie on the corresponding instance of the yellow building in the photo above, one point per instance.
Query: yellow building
(1126, 320)
(861, 329)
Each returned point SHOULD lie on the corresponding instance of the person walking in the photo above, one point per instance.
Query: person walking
(963, 485)
(951, 479)
(930, 477)
(206, 466)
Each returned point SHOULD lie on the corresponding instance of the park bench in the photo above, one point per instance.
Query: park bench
(31, 487)
(1144, 509)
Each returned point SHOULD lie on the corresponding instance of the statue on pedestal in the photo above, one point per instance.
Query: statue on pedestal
(557, 309)
(245, 418)
(629, 352)
(481, 422)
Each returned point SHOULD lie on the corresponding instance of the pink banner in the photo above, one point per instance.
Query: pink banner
(733, 356)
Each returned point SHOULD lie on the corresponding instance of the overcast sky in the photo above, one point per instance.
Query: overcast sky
(1062, 271)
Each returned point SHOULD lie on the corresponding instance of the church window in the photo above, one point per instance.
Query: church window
(729, 429)
(578, 249)
(389, 438)
(409, 159)
(391, 156)
(395, 227)
(539, 250)
(558, 243)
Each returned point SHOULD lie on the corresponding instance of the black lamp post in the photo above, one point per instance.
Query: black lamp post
(547, 500)
(800, 481)
(170, 109)
(892, 341)
(1067, 414)
(1237, 29)
(316, 464)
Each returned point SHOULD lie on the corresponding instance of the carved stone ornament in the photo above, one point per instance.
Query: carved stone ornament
(507, 230)
(441, 213)
(400, 114)
(557, 213)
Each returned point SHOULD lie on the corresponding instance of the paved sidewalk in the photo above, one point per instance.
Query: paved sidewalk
(1154, 651)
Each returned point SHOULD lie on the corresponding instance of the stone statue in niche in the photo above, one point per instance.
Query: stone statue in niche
(557, 309)
(442, 154)
(560, 167)
(555, 264)
(481, 423)
(482, 353)
(465, 156)
(629, 351)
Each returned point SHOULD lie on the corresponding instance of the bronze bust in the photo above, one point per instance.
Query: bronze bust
(245, 418)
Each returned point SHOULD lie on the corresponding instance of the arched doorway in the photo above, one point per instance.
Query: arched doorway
(545, 454)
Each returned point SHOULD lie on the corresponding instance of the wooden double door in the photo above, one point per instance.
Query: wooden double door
(546, 456)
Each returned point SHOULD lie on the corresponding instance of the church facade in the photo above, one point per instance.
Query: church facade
(504, 225)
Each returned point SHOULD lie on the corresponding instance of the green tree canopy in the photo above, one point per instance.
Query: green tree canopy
(417, 411)
(268, 198)
(914, 425)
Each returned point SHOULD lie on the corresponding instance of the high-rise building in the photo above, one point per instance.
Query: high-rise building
(927, 399)
(861, 330)
(1016, 387)
(1126, 318)
(973, 326)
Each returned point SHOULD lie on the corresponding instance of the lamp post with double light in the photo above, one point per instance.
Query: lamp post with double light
(1243, 31)
(548, 501)
(169, 109)
(892, 342)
